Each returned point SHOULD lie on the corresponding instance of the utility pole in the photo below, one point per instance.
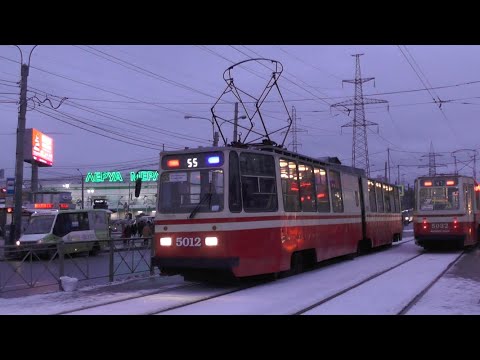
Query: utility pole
(19, 159)
(475, 166)
(457, 154)
(359, 124)
(388, 159)
(432, 162)
(295, 130)
(215, 139)
(398, 174)
(235, 123)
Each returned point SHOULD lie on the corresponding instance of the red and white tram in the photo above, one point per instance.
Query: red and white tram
(446, 210)
(264, 210)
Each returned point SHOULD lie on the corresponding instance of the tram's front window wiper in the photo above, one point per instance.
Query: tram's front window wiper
(207, 196)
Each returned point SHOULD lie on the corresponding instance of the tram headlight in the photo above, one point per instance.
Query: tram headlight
(166, 241)
(211, 241)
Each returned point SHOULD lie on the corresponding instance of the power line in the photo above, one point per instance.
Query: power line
(439, 102)
(99, 88)
(293, 100)
(127, 121)
(308, 64)
(94, 132)
(294, 83)
(141, 70)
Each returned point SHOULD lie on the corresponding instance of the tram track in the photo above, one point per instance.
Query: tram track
(433, 282)
(405, 309)
(204, 299)
(160, 291)
(194, 290)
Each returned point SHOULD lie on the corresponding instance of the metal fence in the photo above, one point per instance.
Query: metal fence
(41, 265)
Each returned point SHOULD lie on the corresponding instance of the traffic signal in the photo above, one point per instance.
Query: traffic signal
(9, 210)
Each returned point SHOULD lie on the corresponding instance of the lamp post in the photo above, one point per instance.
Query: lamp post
(215, 138)
(83, 204)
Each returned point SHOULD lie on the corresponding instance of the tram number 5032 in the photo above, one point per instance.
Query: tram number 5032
(192, 162)
(189, 241)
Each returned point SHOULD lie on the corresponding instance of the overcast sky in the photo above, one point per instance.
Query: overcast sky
(139, 96)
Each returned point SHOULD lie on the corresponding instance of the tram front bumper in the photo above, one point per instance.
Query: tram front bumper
(195, 263)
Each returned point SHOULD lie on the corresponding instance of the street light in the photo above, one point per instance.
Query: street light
(210, 121)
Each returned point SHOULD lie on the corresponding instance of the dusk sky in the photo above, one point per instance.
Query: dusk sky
(137, 97)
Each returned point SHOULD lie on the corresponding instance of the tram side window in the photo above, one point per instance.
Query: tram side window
(234, 192)
(321, 184)
(396, 199)
(307, 188)
(336, 188)
(259, 192)
(380, 203)
(388, 192)
(290, 185)
(372, 196)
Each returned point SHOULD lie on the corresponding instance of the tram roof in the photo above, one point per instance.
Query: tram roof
(332, 162)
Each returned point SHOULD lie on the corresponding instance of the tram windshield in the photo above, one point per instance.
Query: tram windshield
(439, 198)
(185, 191)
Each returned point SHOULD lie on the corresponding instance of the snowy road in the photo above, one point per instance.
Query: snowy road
(294, 294)
(273, 297)
(382, 282)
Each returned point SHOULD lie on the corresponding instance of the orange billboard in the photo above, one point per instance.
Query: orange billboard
(38, 148)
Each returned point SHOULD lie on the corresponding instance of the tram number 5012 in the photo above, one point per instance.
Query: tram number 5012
(189, 241)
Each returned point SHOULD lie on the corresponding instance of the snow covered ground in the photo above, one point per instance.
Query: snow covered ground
(383, 295)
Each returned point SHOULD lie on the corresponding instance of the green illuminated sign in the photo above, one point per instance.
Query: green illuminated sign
(104, 176)
(149, 175)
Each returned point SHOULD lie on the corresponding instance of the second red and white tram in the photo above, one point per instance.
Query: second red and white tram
(264, 210)
(446, 210)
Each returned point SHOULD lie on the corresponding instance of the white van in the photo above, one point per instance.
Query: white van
(46, 228)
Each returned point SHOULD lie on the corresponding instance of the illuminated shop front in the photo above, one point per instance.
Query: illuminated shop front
(117, 188)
